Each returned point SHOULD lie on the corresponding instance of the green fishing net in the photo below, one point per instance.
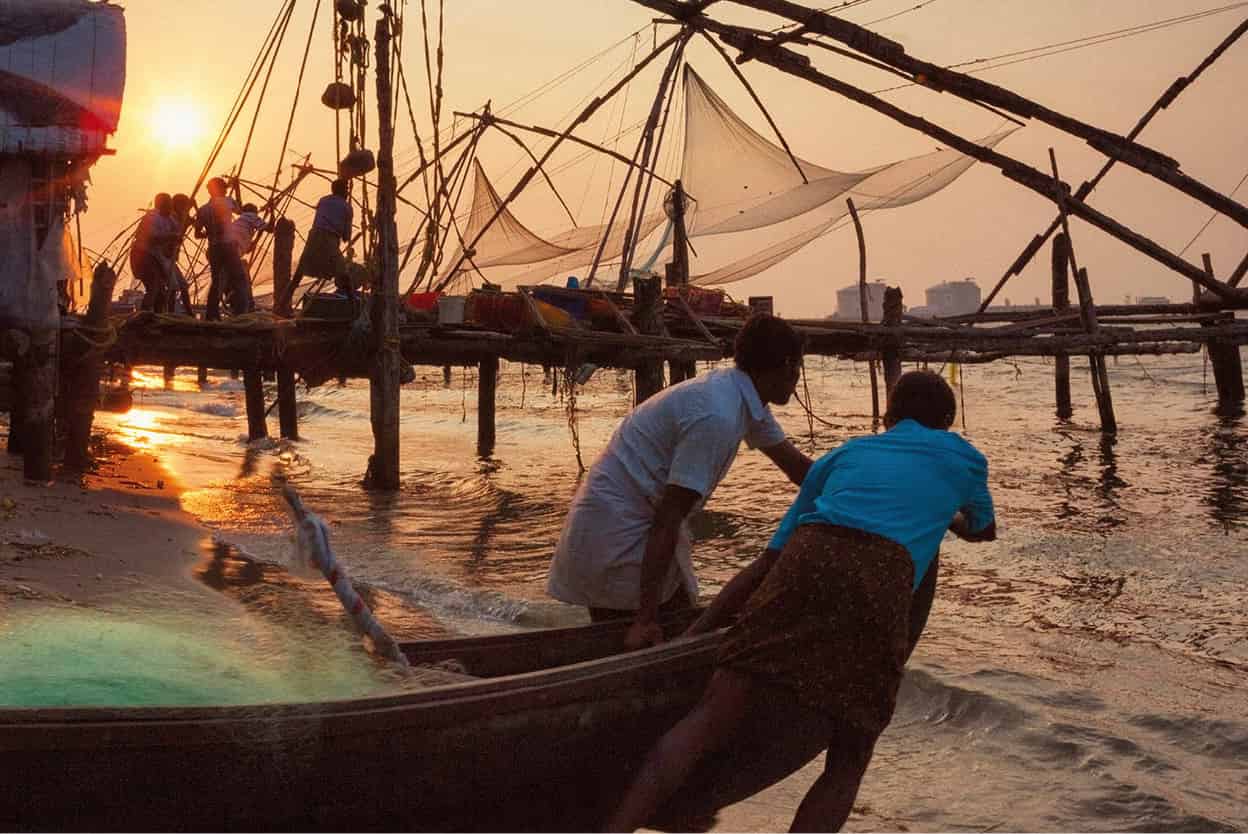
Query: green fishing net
(66, 658)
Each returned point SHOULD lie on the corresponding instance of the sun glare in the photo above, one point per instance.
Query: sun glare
(176, 123)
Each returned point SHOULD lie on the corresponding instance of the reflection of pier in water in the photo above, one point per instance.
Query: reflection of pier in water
(1227, 497)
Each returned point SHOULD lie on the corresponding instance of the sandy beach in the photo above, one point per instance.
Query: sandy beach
(118, 532)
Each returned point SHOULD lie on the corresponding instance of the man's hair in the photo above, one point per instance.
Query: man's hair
(180, 202)
(766, 342)
(251, 207)
(163, 202)
(923, 396)
(216, 185)
(339, 187)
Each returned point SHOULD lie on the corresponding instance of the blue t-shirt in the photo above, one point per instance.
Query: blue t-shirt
(333, 214)
(905, 484)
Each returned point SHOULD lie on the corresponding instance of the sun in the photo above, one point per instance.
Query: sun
(176, 123)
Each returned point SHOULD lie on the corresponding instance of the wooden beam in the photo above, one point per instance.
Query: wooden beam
(1061, 302)
(973, 88)
(1167, 98)
(283, 258)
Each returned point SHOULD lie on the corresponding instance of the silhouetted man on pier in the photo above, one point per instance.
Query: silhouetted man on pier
(321, 257)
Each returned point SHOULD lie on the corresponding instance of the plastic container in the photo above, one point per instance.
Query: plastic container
(504, 312)
(421, 301)
(451, 309)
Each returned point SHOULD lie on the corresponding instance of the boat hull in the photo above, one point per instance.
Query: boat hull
(550, 748)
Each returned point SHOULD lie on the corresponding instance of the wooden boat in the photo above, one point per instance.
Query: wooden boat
(545, 739)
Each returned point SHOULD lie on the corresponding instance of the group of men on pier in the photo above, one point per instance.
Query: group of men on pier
(230, 232)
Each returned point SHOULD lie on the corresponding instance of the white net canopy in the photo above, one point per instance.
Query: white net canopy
(747, 197)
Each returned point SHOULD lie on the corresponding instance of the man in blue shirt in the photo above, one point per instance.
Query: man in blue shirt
(321, 257)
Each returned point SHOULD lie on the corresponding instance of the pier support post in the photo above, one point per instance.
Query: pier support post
(892, 354)
(201, 376)
(1061, 303)
(678, 274)
(647, 313)
(37, 370)
(82, 382)
(384, 380)
(1096, 361)
(864, 307)
(446, 376)
(487, 386)
(283, 257)
(253, 389)
(1228, 371)
(170, 372)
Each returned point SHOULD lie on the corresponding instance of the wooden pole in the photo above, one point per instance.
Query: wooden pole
(1087, 312)
(864, 303)
(974, 88)
(580, 119)
(487, 387)
(1228, 370)
(170, 372)
(82, 386)
(38, 411)
(1166, 99)
(1061, 303)
(678, 274)
(384, 381)
(253, 392)
(283, 260)
(892, 354)
(201, 376)
(799, 65)
(647, 318)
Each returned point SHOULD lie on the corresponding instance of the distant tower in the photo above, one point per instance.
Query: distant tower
(849, 302)
(953, 298)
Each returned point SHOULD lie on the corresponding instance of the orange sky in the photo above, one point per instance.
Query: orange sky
(188, 60)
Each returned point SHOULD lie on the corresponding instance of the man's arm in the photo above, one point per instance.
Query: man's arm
(674, 505)
(790, 460)
(739, 589)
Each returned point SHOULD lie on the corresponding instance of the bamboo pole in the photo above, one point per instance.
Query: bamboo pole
(1167, 98)
(973, 88)
(798, 65)
(1061, 301)
(580, 119)
(864, 306)
(383, 470)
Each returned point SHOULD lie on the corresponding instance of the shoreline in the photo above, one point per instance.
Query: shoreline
(97, 538)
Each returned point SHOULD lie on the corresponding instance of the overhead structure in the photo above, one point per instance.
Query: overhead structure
(739, 181)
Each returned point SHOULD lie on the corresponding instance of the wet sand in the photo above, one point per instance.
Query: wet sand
(116, 532)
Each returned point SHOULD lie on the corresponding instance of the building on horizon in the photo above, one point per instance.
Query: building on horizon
(849, 302)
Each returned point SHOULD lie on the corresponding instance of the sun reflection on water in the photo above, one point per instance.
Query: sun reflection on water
(144, 428)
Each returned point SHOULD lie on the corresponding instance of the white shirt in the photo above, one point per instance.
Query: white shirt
(243, 228)
(687, 436)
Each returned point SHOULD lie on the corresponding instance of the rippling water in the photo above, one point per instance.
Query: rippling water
(1084, 672)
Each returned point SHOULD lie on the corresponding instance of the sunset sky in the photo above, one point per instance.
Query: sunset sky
(187, 61)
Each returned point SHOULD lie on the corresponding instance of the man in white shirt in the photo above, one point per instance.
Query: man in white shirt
(625, 546)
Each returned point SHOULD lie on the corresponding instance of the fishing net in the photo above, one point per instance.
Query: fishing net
(64, 658)
(746, 190)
